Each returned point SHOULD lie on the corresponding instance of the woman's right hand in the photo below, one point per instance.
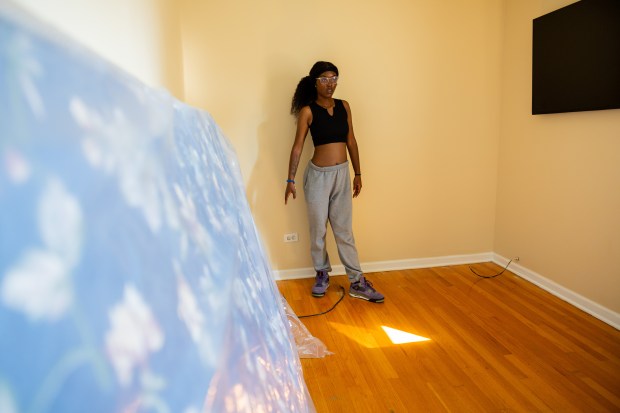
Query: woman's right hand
(290, 189)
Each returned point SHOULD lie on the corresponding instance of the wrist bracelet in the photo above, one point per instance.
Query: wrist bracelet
(290, 181)
(358, 174)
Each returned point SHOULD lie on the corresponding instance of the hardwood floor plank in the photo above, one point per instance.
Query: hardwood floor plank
(499, 344)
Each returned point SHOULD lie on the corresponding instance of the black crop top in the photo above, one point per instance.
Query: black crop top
(326, 128)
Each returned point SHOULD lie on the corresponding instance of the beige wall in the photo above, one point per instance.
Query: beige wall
(142, 37)
(453, 161)
(423, 80)
(558, 204)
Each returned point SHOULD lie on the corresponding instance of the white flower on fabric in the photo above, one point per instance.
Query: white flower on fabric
(190, 221)
(7, 402)
(120, 146)
(60, 222)
(92, 152)
(188, 309)
(28, 69)
(139, 188)
(87, 119)
(194, 319)
(39, 284)
(17, 168)
(170, 210)
(90, 121)
(217, 299)
(133, 335)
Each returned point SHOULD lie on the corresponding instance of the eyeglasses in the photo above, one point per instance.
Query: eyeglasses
(328, 80)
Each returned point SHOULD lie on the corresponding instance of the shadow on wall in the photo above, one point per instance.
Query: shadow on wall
(267, 183)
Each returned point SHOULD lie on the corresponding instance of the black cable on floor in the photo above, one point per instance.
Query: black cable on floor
(490, 276)
(325, 312)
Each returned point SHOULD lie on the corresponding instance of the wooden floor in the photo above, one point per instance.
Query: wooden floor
(494, 345)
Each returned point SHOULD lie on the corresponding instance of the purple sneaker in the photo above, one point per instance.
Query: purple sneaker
(320, 284)
(363, 289)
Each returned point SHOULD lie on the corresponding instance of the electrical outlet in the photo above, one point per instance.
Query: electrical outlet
(292, 237)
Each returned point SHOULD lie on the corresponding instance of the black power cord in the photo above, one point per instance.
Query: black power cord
(325, 312)
(494, 275)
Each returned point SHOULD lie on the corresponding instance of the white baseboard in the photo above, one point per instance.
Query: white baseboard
(596, 310)
(378, 266)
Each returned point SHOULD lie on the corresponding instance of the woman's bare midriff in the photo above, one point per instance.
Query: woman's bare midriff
(330, 154)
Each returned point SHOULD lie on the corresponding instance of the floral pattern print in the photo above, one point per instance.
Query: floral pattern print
(132, 277)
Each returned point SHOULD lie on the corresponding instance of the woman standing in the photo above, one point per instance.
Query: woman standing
(327, 183)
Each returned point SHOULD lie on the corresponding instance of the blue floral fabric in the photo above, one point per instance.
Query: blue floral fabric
(132, 278)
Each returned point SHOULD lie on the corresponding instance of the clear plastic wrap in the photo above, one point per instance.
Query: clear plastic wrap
(132, 278)
(308, 346)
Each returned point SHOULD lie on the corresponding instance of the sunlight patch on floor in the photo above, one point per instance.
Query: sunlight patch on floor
(402, 337)
(372, 338)
(361, 335)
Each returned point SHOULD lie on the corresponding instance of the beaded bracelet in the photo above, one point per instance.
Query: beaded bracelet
(290, 181)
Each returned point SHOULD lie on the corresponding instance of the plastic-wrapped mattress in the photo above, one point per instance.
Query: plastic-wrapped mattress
(132, 278)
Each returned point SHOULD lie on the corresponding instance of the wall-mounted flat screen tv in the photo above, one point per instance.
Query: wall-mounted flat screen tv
(576, 58)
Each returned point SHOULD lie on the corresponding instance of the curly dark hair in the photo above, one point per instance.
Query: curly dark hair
(306, 91)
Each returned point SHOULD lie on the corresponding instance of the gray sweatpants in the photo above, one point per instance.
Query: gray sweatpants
(329, 198)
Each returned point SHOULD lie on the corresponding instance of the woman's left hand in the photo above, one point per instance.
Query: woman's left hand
(357, 185)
